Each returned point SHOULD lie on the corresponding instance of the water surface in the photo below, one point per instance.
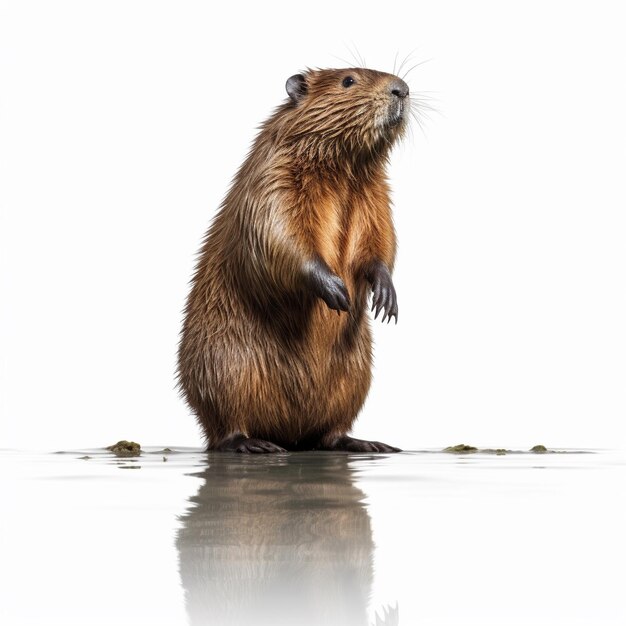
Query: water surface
(418, 538)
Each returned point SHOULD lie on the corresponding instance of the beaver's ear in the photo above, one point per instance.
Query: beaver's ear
(296, 87)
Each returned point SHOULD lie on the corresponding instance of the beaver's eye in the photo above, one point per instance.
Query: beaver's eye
(348, 81)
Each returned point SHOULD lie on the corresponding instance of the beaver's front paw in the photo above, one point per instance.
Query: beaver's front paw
(383, 292)
(328, 286)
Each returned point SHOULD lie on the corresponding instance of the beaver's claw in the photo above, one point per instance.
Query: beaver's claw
(383, 293)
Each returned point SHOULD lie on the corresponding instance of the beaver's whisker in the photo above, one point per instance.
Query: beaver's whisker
(356, 55)
(424, 106)
(423, 96)
(407, 59)
(425, 111)
(413, 67)
(348, 63)
(418, 120)
(395, 60)
(419, 98)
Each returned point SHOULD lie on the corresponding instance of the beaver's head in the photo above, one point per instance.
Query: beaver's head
(343, 112)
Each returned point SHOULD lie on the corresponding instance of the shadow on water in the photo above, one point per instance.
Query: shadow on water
(278, 540)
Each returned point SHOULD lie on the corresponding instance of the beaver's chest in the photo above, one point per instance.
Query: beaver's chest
(345, 232)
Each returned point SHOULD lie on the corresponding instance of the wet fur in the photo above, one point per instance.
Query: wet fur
(261, 355)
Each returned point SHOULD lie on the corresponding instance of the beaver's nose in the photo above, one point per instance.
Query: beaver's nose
(399, 88)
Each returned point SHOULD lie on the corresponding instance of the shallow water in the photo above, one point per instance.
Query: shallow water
(418, 538)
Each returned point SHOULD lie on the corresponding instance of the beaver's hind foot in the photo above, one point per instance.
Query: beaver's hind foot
(350, 444)
(246, 445)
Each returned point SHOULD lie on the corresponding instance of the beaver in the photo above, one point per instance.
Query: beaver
(275, 350)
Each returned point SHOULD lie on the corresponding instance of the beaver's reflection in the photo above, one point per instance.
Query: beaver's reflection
(280, 540)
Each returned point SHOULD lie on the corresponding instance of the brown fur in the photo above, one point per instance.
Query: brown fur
(260, 354)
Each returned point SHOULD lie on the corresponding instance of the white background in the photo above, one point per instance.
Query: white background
(122, 123)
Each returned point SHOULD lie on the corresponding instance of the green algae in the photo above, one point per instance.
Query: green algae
(539, 449)
(463, 448)
(125, 448)
(460, 448)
